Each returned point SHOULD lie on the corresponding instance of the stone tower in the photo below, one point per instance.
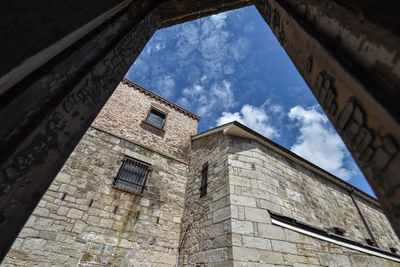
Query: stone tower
(118, 200)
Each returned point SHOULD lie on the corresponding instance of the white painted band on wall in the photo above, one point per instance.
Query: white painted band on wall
(340, 243)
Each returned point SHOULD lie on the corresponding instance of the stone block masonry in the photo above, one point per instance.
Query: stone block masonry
(261, 179)
(247, 181)
(83, 221)
(206, 220)
(251, 183)
(352, 46)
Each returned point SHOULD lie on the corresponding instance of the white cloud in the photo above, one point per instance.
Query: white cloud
(255, 118)
(240, 48)
(206, 101)
(219, 19)
(317, 143)
(207, 43)
(187, 40)
(277, 109)
(165, 86)
(249, 27)
(223, 93)
(159, 46)
(229, 117)
(203, 54)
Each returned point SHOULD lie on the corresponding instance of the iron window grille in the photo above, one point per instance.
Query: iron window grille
(132, 176)
(156, 118)
(204, 180)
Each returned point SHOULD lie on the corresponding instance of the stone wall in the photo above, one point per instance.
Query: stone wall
(231, 225)
(355, 43)
(205, 234)
(380, 226)
(261, 180)
(82, 220)
(125, 111)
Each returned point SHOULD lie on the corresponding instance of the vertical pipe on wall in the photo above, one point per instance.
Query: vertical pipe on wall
(362, 216)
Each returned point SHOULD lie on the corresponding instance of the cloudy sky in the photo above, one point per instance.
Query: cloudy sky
(231, 67)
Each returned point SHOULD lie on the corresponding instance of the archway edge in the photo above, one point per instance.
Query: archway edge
(348, 58)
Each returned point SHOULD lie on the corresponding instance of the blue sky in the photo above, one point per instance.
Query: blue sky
(231, 67)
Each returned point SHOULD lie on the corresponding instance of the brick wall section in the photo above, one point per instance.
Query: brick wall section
(261, 180)
(118, 229)
(207, 242)
(127, 108)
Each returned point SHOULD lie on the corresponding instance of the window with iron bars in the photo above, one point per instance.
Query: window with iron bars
(204, 180)
(132, 176)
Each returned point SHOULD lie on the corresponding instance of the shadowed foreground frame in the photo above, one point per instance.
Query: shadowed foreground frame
(61, 61)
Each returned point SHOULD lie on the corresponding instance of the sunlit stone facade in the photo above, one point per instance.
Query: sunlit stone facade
(263, 205)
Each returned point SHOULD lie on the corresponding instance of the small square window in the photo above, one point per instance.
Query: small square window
(204, 180)
(156, 118)
(132, 176)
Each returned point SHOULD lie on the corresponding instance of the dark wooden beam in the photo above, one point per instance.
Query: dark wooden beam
(351, 65)
(175, 12)
(52, 108)
(61, 60)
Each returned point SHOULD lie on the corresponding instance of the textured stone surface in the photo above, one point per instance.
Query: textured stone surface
(229, 226)
(289, 189)
(355, 42)
(125, 111)
(259, 180)
(117, 227)
(206, 220)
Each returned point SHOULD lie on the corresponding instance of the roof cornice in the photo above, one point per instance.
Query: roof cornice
(237, 129)
(160, 99)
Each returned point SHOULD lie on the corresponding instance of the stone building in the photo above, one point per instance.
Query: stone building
(89, 218)
(143, 189)
(266, 206)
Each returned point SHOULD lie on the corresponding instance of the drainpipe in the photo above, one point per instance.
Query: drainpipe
(362, 216)
(177, 258)
(181, 244)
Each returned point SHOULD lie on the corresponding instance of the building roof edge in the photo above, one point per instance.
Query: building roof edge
(160, 98)
(237, 129)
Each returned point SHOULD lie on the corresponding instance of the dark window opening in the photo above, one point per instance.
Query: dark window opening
(204, 178)
(132, 176)
(156, 118)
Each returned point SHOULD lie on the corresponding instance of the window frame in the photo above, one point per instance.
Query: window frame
(204, 180)
(144, 166)
(159, 111)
